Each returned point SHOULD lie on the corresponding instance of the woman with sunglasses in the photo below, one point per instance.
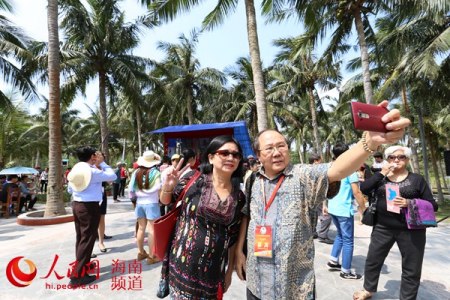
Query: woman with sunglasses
(201, 257)
(390, 223)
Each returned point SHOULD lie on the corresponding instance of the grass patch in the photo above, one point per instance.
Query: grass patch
(42, 198)
(443, 211)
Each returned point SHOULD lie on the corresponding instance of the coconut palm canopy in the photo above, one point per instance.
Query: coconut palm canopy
(404, 56)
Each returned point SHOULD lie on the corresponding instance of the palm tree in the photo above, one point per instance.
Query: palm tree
(323, 15)
(168, 10)
(13, 49)
(185, 84)
(55, 202)
(99, 45)
(304, 73)
(242, 102)
(14, 121)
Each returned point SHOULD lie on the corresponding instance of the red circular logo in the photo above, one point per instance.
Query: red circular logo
(15, 274)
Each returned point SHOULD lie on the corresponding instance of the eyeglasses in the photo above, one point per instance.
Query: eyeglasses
(399, 157)
(271, 149)
(223, 154)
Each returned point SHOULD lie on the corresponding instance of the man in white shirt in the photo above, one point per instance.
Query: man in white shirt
(85, 185)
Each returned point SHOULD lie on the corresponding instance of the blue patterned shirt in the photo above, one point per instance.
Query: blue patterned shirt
(289, 274)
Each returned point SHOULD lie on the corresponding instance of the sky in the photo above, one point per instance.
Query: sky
(218, 48)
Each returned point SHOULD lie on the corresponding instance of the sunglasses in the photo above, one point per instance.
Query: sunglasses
(399, 157)
(225, 153)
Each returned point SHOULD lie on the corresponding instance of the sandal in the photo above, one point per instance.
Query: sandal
(362, 295)
(152, 260)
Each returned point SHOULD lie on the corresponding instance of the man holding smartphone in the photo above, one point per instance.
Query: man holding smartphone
(282, 197)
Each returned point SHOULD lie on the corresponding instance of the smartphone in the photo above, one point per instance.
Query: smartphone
(368, 116)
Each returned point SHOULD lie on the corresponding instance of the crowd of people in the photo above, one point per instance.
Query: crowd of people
(259, 216)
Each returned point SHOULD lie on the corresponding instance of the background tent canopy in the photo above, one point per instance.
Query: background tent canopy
(197, 136)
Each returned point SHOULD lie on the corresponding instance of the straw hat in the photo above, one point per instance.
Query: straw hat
(175, 156)
(149, 159)
(80, 176)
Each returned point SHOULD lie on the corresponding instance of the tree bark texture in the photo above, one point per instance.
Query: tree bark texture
(55, 201)
(312, 108)
(364, 57)
(258, 77)
(104, 132)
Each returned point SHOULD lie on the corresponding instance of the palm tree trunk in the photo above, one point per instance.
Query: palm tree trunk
(123, 149)
(55, 202)
(299, 149)
(190, 113)
(405, 99)
(437, 177)
(441, 172)
(38, 154)
(138, 125)
(258, 78)
(415, 157)
(312, 108)
(103, 114)
(424, 146)
(364, 56)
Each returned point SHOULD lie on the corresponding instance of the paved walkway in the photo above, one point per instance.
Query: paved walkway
(40, 244)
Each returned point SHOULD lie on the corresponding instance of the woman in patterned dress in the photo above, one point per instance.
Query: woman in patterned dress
(201, 258)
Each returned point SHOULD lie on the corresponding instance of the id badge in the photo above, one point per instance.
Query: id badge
(392, 191)
(263, 241)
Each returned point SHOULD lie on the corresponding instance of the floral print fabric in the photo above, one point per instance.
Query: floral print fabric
(199, 252)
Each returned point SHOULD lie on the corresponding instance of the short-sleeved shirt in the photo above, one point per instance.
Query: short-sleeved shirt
(341, 205)
(290, 273)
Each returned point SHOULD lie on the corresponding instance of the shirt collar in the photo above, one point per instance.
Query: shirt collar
(287, 172)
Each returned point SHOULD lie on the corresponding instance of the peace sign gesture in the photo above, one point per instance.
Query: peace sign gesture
(173, 176)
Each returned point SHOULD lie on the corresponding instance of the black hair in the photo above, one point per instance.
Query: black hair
(378, 154)
(12, 176)
(256, 141)
(213, 146)
(187, 154)
(85, 153)
(338, 149)
(314, 157)
(253, 162)
(165, 159)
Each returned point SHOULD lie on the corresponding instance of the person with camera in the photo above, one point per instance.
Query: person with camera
(277, 222)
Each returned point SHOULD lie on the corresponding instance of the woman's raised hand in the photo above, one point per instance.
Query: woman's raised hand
(174, 175)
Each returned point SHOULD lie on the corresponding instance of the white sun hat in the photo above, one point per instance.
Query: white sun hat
(149, 159)
(80, 176)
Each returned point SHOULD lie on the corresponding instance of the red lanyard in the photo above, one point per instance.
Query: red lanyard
(272, 197)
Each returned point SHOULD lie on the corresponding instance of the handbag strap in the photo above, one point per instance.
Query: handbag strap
(187, 186)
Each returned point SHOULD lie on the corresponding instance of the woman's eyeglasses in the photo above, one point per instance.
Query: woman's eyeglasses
(223, 154)
(399, 157)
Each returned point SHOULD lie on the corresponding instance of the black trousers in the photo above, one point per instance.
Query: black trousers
(123, 183)
(32, 201)
(44, 186)
(250, 296)
(411, 244)
(86, 217)
(116, 187)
